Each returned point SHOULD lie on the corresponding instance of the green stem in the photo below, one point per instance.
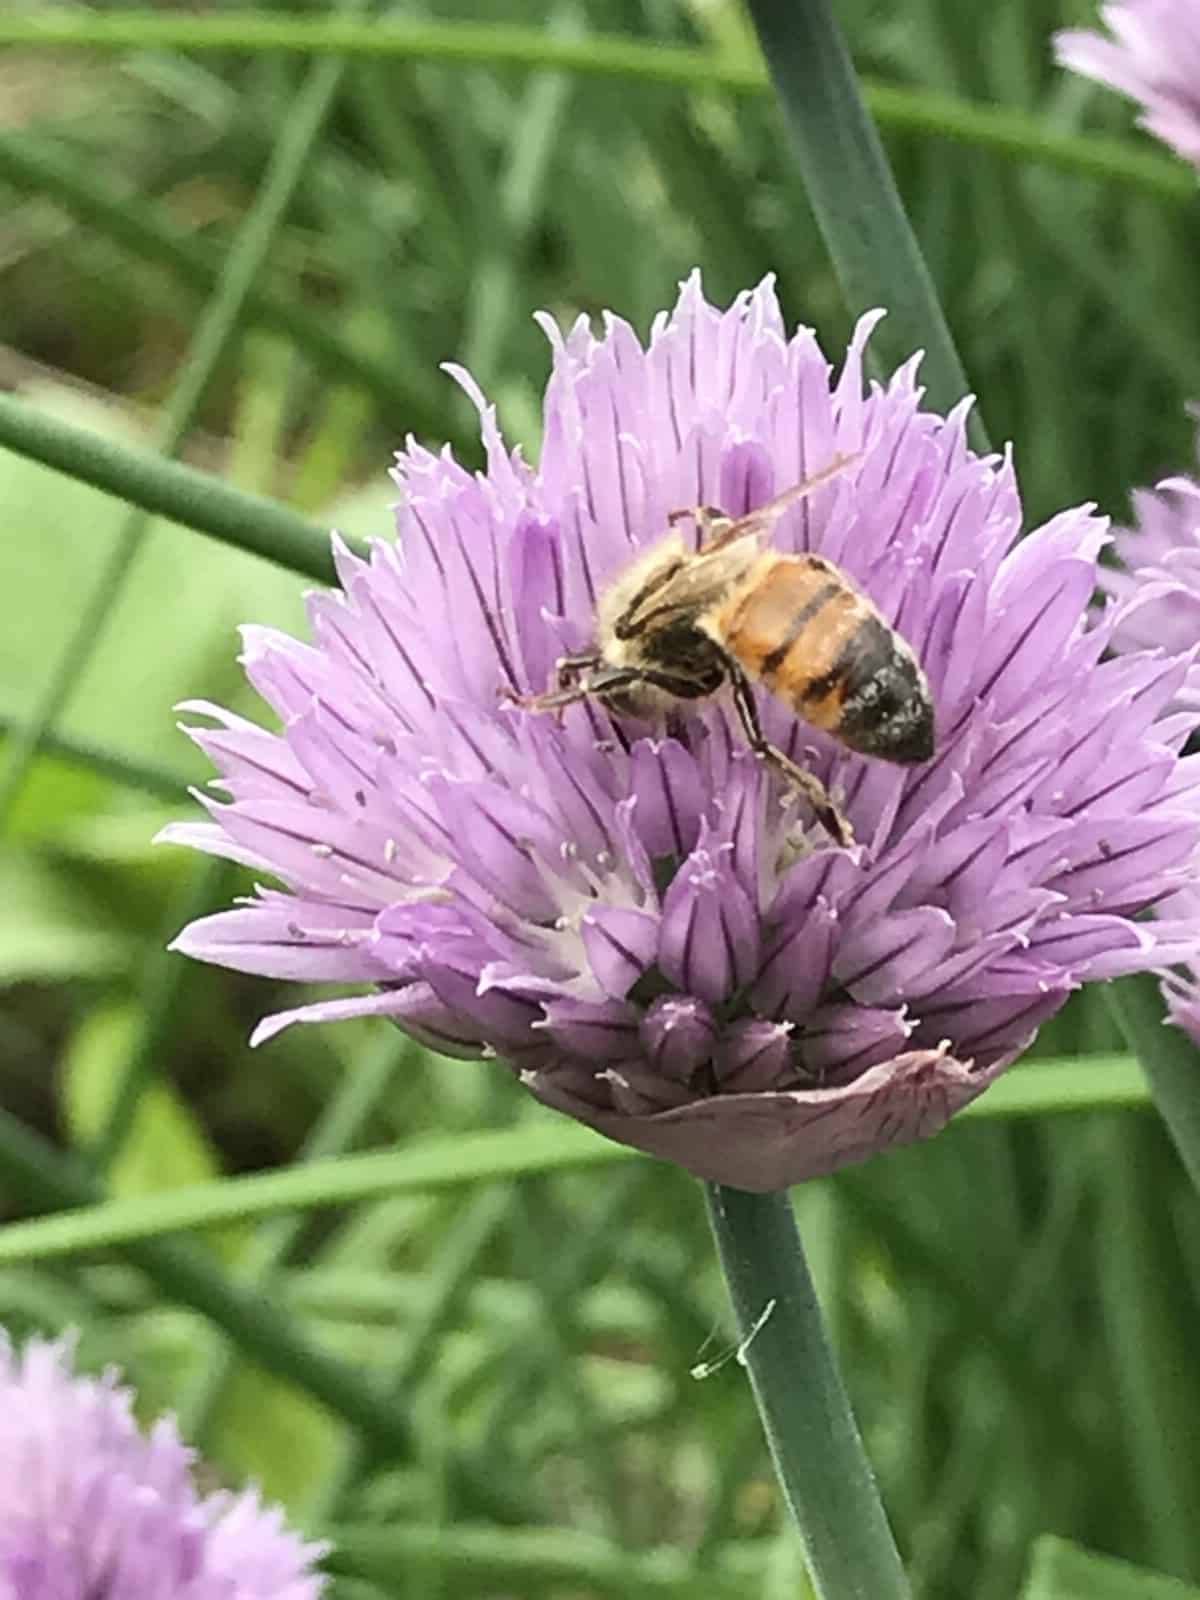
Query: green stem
(1006, 133)
(853, 194)
(213, 339)
(198, 500)
(160, 1002)
(806, 1416)
(453, 1163)
(158, 781)
(44, 1178)
(340, 1124)
(1169, 1059)
(32, 167)
(434, 1164)
(460, 1251)
(477, 1559)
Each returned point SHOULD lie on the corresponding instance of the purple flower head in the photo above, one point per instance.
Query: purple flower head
(1157, 588)
(93, 1509)
(1181, 985)
(1153, 57)
(643, 919)
(1157, 584)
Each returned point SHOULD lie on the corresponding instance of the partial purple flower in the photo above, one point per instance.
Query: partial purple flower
(93, 1509)
(642, 920)
(1181, 985)
(1157, 589)
(1153, 57)
(1157, 582)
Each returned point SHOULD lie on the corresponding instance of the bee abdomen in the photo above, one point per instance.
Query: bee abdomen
(773, 663)
(778, 611)
(818, 643)
(875, 697)
(829, 658)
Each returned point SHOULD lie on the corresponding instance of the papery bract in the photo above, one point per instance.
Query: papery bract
(641, 920)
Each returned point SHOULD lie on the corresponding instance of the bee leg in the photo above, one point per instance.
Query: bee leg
(553, 700)
(712, 525)
(580, 678)
(814, 791)
(570, 679)
(569, 669)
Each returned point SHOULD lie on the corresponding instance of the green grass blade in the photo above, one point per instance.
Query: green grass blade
(1168, 1057)
(1147, 1311)
(853, 194)
(495, 292)
(1062, 1571)
(1091, 1083)
(342, 1121)
(943, 116)
(163, 984)
(460, 1252)
(196, 499)
(184, 1273)
(1007, 133)
(157, 781)
(212, 340)
(532, 1561)
(535, 1147)
(145, 232)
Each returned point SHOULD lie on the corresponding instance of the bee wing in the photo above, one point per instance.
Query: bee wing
(758, 524)
(699, 583)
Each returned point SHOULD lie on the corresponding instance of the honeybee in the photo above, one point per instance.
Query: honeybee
(678, 624)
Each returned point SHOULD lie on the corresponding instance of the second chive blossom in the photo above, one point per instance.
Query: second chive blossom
(644, 921)
(92, 1508)
(1158, 588)
(1151, 54)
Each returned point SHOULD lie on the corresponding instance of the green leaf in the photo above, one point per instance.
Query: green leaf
(541, 1143)
(171, 634)
(51, 928)
(194, 499)
(950, 117)
(1062, 1571)
(165, 1148)
(275, 1433)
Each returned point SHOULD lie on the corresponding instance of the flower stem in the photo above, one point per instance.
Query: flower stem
(806, 1416)
(1169, 1059)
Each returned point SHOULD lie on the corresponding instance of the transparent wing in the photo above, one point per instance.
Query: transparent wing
(758, 524)
(698, 584)
(727, 554)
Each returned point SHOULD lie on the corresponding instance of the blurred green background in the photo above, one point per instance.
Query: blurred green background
(1016, 1305)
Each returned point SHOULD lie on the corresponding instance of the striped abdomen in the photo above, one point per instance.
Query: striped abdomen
(793, 623)
(800, 626)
